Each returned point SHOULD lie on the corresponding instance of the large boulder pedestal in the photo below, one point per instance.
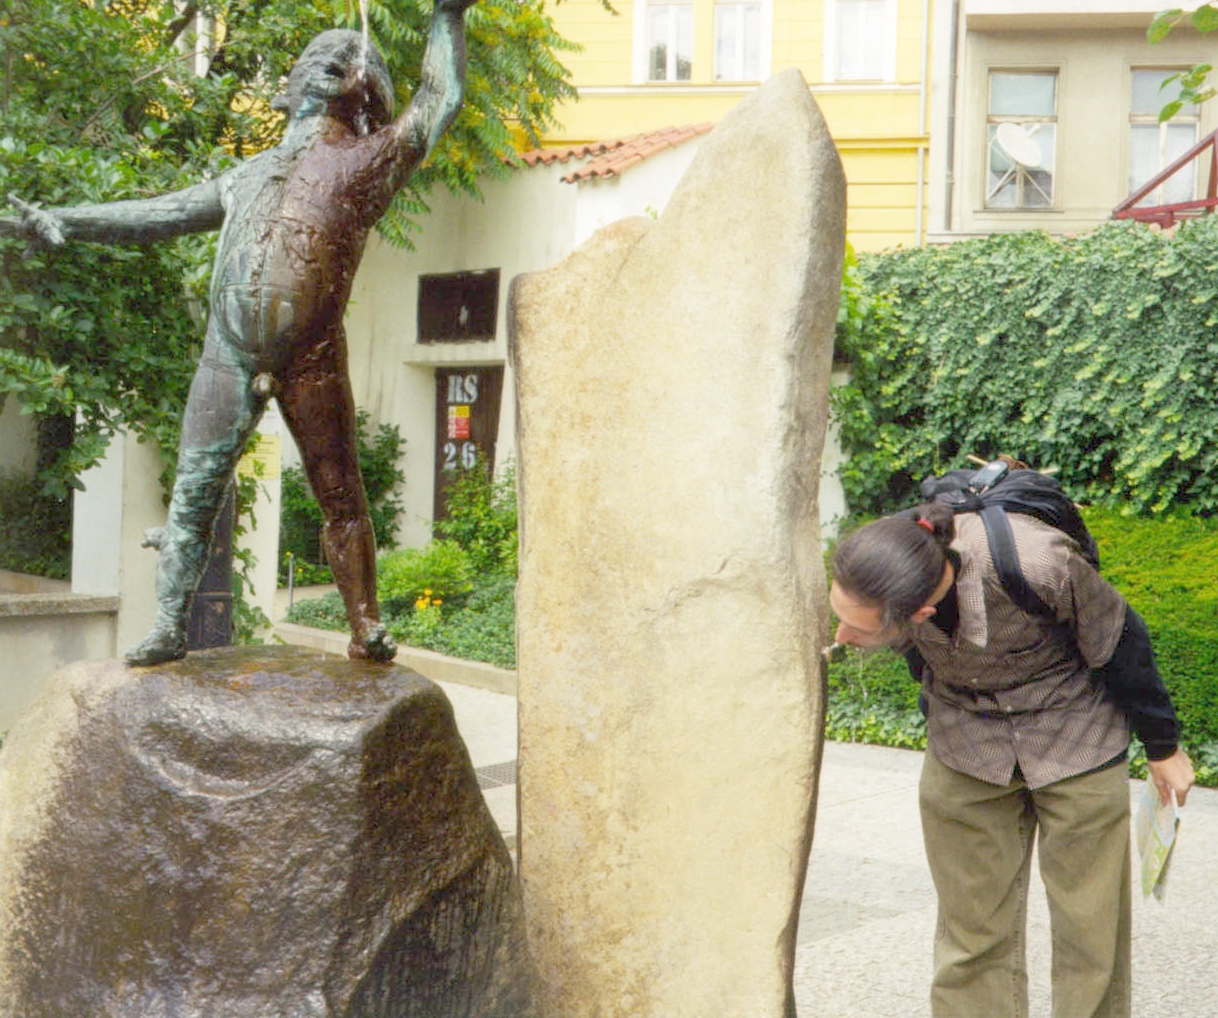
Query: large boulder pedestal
(251, 833)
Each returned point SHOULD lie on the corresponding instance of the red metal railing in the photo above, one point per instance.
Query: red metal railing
(1169, 215)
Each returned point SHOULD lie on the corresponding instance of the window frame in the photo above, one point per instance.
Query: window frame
(993, 120)
(642, 51)
(765, 43)
(831, 71)
(1187, 115)
(458, 307)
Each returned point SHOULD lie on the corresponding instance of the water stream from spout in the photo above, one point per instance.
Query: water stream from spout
(362, 125)
(363, 48)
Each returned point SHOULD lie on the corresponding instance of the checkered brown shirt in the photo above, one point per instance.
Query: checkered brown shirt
(1011, 688)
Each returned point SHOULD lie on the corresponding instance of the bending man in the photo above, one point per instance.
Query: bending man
(1028, 721)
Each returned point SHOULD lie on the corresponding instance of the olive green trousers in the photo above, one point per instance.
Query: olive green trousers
(979, 841)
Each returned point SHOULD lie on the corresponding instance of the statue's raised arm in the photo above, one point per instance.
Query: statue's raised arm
(340, 74)
(442, 85)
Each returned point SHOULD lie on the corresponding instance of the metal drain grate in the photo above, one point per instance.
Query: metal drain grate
(496, 775)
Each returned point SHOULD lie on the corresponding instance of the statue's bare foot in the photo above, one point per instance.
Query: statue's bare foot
(375, 645)
(158, 646)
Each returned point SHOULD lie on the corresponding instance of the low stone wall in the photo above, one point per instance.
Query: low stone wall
(43, 626)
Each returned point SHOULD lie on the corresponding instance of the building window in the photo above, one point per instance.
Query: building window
(860, 40)
(738, 40)
(670, 41)
(458, 307)
(1154, 146)
(1021, 140)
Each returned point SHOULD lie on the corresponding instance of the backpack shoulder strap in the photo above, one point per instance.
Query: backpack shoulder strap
(1006, 562)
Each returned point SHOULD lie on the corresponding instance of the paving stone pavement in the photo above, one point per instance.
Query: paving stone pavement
(868, 913)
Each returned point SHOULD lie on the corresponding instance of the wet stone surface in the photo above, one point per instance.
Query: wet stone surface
(251, 832)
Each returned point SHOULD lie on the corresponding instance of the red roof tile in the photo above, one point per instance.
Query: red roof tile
(611, 158)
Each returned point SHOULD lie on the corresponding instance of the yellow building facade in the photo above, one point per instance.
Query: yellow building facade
(659, 64)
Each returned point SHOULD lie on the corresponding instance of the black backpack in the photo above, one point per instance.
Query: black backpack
(997, 489)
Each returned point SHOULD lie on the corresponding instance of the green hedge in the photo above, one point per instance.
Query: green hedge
(1097, 354)
(1166, 569)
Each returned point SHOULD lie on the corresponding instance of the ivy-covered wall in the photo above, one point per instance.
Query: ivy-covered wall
(1096, 354)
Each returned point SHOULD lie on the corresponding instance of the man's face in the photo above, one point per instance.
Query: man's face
(859, 623)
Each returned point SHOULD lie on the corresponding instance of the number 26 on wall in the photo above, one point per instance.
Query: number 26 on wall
(465, 453)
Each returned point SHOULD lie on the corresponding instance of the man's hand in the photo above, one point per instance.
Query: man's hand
(1175, 773)
(42, 228)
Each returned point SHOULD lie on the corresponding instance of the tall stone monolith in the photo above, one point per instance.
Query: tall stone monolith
(673, 382)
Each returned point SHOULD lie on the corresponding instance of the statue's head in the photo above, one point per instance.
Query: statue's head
(334, 76)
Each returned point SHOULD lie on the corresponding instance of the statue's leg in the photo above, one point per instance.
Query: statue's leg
(221, 414)
(320, 412)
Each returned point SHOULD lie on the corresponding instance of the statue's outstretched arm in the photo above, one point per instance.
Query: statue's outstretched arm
(441, 87)
(135, 221)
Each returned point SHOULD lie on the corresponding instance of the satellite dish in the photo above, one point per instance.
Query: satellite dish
(1019, 145)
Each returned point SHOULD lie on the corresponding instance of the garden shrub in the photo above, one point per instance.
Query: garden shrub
(482, 629)
(324, 612)
(481, 517)
(456, 595)
(439, 571)
(35, 528)
(1097, 354)
(873, 698)
(1166, 569)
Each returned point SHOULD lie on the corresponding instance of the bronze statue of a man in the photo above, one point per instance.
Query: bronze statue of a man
(293, 221)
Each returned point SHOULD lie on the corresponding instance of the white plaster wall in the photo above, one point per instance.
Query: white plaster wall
(526, 223)
(644, 190)
(122, 499)
(97, 520)
(36, 645)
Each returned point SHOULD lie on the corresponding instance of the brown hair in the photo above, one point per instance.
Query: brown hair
(896, 562)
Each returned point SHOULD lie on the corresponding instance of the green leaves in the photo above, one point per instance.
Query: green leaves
(1094, 354)
(1193, 83)
(513, 83)
(1163, 23)
(1205, 18)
